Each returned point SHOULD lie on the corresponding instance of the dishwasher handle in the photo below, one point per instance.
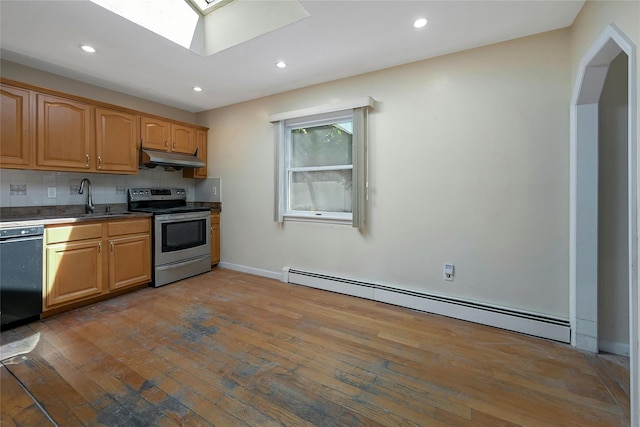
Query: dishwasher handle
(18, 232)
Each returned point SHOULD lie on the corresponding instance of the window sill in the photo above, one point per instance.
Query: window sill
(324, 218)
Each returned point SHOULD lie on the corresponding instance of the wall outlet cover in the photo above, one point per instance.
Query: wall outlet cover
(448, 272)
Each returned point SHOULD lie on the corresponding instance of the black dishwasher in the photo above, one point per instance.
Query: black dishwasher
(20, 274)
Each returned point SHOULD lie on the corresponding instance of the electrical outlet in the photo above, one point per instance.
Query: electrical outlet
(51, 192)
(448, 272)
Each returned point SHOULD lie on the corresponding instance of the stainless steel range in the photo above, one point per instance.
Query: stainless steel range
(182, 246)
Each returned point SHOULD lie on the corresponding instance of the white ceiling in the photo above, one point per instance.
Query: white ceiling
(338, 39)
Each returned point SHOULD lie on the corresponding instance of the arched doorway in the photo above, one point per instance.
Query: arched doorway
(584, 199)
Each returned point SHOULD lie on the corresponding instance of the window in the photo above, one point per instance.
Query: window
(321, 163)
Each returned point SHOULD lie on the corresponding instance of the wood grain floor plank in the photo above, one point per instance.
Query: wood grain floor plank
(231, 349)
(19, 409)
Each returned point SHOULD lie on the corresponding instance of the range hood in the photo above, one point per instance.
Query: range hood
(153, 158)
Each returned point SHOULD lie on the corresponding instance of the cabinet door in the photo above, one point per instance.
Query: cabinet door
(183, 139)
(129, 261)
(201, 145)
(155, 133)
(73, 272)
(215, 238)
(15, 131)
(63, 138)
(116, 141)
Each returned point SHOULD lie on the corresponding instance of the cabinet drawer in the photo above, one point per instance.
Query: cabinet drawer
(136, 226)
(68, 233)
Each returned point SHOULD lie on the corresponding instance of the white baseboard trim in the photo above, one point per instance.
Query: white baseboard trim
(529, 323)
(613, 347)
(250, 270)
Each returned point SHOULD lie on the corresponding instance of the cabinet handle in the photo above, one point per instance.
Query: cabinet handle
(174, 145)
(87, 158)
(111, 247)
(165, 144)
(99, 248)
(212, 231)
(99, 162)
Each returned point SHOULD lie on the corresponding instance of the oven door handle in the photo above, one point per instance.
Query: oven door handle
(182, 216)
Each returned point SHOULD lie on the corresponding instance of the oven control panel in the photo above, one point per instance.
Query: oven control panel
(142, 194)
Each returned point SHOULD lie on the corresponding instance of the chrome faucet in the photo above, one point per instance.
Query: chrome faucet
(89, 206)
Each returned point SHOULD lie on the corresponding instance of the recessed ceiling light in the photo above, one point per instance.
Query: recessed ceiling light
(87, 48)
(420, 22)
(281, 64)
(197, 89)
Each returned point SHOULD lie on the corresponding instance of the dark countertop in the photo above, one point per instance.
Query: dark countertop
(48, 215)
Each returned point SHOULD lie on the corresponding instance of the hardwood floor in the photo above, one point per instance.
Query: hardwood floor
(230, 349)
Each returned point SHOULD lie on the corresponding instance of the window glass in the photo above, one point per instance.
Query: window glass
(320, 165)
(320, 191)
(325, 145)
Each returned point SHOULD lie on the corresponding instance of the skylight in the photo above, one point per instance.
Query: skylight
(208, 6)
(190, 23)
(173, 20)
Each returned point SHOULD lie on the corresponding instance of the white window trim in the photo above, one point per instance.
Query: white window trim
(359, 112)
(366, 102)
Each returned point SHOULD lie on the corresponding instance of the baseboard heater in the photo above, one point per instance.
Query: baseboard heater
(539, 325)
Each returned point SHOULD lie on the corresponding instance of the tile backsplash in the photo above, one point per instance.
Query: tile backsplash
(43, 188)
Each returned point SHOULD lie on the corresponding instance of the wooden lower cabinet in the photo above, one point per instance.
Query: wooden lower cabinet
(88, 261)
(73, 272)
(215, 238)
(127, 241)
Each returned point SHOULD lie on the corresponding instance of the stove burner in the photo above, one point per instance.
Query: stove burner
(178, 209)
(160, 201)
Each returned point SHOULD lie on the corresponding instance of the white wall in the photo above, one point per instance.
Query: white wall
(613, 228)
(468, 161)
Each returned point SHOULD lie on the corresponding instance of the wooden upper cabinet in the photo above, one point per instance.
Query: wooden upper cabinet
(42, 129)
(63, 133)
(117, 135)
(158, 134)
(15, 128)
(155, 133)
(201, 145)
(183, 139)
